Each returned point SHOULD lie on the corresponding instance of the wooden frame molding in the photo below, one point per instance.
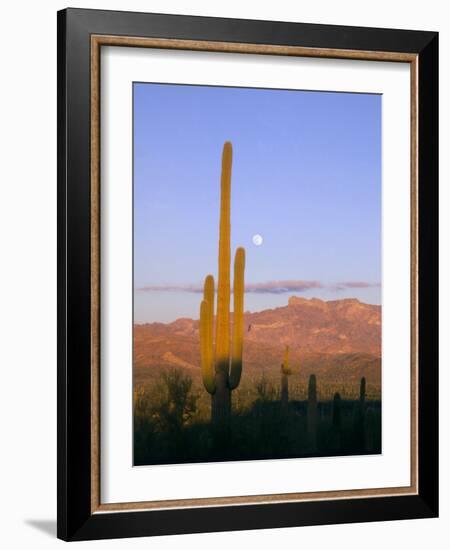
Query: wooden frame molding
(96, 42)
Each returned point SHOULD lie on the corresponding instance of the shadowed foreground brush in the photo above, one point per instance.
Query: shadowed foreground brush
(172, 424)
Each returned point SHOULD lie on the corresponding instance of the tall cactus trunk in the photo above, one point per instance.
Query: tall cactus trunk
(221, 400)
(223, 282)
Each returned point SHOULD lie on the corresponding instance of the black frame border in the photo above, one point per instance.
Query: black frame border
(75, 520)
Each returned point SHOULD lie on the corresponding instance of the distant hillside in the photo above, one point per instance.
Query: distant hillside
(339, 340)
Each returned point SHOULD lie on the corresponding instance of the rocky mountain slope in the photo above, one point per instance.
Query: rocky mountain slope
(339, 340)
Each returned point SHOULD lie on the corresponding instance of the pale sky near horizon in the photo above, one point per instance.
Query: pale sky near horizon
(306, 176)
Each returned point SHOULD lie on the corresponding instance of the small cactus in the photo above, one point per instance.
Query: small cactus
(312, 412)
(285, 372)
(360, 418)
(362, 392)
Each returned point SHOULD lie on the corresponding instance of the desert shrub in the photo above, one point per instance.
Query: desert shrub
(161, 414)
(175, 403)
(265, 390)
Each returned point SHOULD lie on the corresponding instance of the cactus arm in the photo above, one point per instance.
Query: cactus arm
(223, 291)
(285, 366)
(238, 319)
(208, 296)
(206, 348)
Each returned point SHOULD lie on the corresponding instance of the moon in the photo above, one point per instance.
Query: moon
(257, 240)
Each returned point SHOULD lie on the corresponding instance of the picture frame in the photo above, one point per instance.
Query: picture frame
(81, 36)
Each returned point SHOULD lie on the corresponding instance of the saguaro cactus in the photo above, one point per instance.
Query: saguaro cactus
(312, 413)
(221, 370)
(285, 372)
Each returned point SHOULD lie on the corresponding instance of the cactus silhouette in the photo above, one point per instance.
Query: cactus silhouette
(337, 421)
(360, 417)
(337, 411)
(312, 412)
(362, 393)
(221, 370)
(285, 372)
(370, 429)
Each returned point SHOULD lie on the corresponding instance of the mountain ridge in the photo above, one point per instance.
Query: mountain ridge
(337, 338)
(337, 326)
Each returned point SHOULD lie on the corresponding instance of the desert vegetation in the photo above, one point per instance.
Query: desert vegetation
(172, 422)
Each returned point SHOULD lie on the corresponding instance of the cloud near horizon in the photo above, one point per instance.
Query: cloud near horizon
(269, 287)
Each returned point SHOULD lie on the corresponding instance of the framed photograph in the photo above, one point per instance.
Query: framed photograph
(247, 255)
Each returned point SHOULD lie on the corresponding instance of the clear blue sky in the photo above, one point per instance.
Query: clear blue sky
(306, 176)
